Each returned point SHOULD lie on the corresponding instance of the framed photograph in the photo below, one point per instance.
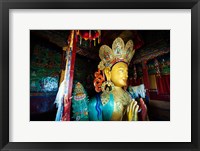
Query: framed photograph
(145, 55)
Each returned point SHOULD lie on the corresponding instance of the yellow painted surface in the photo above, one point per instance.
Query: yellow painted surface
(152, 81)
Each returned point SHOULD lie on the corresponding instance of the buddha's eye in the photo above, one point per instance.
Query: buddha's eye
(121, 70)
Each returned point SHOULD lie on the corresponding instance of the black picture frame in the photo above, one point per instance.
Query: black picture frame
(5, 5)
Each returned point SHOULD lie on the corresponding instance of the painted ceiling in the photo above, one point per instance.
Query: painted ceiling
(148, 43)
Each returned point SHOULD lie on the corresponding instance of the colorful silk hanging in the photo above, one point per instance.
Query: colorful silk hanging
(61, 97)
(62, 100)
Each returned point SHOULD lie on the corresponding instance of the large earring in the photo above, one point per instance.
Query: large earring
(107, 86)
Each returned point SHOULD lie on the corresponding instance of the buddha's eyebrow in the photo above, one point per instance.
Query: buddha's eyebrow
(121, 67)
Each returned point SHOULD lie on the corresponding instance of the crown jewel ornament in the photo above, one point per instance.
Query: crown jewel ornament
(119, 53)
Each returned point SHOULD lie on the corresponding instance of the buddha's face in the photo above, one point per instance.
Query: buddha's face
(119, 74)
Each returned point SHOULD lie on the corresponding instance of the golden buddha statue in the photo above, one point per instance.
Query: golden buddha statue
(113, 103)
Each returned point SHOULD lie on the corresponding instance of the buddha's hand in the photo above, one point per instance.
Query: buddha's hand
(132, 111)
(144, 116)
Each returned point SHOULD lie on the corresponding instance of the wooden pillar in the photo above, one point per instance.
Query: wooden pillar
(69, 76)
(145, 77)
(72, 71)
(159, 85)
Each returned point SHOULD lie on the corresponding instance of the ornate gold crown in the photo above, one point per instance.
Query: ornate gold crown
(119, 53)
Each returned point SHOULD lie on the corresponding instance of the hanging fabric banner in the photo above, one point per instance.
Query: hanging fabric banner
(62, 98)
(69, 80)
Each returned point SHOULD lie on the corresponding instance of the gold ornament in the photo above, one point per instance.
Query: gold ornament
(107, 86)
(105, 97)
(119, 52)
